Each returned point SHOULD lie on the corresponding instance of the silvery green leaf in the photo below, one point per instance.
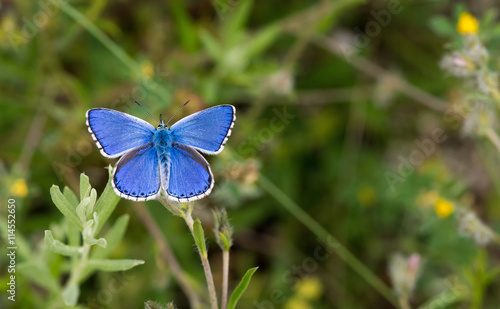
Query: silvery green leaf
(70, 294)
(39, 273)
(199, 237)
(113, 238)
(58, 247)
(84, 186)
(113, 265)
(65, 206)
(106, 202)
(70, 196)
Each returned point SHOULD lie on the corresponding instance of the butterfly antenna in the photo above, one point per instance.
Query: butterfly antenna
(146, 111)
(178, 111)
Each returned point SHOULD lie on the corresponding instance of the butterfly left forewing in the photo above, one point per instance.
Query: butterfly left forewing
(115, 132)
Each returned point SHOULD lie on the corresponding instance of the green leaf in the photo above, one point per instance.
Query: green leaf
(199, 237)
(112, 265)
(84, 186)
(40, 274)
(70, 196)
(225, 241)
(185, 27)
(488, 19)
(442, 26)
(444, 299)
(262, 40)
(58, 247)
(211, 45)
(70, 294)
(113, 238)
(106, 203)
(241, 288)
(236, 21)
(64, 206)
(88, 235)
(85, 208)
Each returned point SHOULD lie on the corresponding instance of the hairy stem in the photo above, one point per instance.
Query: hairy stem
(225, 277)
(206, 265)
(327, 238)
(168, 255)
(493, 137)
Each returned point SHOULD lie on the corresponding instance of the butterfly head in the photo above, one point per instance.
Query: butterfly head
(162, 122)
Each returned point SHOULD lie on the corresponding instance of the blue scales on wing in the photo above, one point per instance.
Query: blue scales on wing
(136, 175)
(207, 130)
(115, 133)
(189, 177)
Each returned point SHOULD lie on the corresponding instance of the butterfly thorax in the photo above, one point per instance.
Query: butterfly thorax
(162, 141)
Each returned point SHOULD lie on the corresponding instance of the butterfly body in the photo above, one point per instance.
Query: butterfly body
(164, 159)
(162, 139)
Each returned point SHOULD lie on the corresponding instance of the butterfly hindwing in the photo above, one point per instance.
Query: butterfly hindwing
(136, 175)
(115, 133)
(189, 177)
(207, 130)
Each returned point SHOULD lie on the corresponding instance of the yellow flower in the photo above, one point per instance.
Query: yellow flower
(147, 69)
(297, 303)
(309, 288)
(19, 188)
(443, 208)
(366, 196)
(467, 24)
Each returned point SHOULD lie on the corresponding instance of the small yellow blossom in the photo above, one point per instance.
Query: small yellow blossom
(19, 188)
(366, 196)
(309, 288)
(467, 24)
(147, 69)
(297, 303)
(443, 208)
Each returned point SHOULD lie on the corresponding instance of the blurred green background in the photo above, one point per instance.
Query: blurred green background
(330, 95)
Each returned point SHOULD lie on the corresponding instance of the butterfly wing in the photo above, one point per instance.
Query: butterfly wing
(187, 176)
(207, 130)
(115, 133)
(136, 175)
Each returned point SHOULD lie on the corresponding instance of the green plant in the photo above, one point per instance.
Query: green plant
(83, 220)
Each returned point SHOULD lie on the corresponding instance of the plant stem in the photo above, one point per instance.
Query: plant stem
(403, 302)
(206, 265)
(168, 255)
(225, 277)
(493, 137)
(99, 35)
(327, 238)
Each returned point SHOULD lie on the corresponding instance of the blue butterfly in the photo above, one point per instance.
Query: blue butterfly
(162, 159)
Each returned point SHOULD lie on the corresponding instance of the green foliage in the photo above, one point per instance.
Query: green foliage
(241, 288)
(199, 237)
(85, 217)
(297, 189)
